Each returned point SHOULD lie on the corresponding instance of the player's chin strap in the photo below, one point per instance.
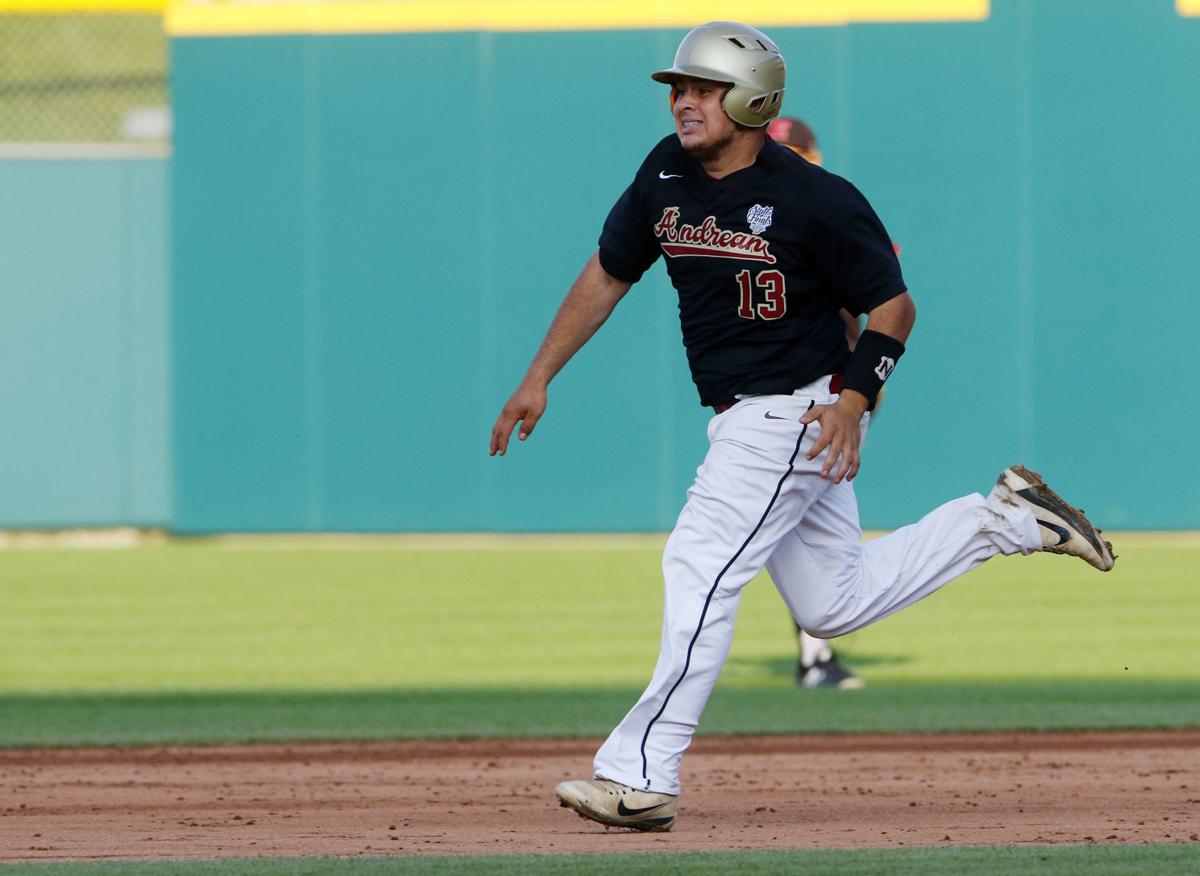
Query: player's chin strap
(872, 363)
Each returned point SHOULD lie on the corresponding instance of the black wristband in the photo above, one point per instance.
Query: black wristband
(873, 361)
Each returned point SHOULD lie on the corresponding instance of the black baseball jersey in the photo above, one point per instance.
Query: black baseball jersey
(762, 261)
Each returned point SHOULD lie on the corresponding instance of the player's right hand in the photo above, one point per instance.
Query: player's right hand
(840, 436)
(525, 406)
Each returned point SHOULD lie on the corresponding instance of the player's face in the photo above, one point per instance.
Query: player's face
(701, 124)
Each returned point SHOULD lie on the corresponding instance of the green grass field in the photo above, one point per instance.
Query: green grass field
(227, 641)
(1044, 860)
(239, 640)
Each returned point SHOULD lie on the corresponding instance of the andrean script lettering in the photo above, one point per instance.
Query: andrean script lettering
(707, 240)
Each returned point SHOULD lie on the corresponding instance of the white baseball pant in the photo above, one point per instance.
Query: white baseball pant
(757, 501)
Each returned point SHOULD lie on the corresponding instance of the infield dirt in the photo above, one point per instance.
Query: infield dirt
(488, 797)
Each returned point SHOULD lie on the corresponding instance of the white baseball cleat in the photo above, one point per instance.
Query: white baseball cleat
(612, 803)
(1065, 529)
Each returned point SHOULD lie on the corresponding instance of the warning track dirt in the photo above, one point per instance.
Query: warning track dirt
(497, 796)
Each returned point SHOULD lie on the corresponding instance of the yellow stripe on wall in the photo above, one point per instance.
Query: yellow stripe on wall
(191, 18)
(1190, 8)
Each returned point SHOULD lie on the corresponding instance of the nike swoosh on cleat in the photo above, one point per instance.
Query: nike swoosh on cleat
(1063, 535)
(662, 174)
(1042, 502)
(623, 810)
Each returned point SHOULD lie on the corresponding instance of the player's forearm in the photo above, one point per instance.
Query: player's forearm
(587, 305)
(894, 318)
(876, 353)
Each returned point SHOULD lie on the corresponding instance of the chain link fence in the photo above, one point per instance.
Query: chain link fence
(96, 77)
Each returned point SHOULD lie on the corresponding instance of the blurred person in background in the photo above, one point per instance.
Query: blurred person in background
(818, 665)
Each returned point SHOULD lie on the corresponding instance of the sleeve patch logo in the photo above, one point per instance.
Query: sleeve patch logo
(885, 367)
(759, 218)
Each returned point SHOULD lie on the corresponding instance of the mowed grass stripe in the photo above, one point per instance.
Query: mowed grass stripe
(1095, 860)
(199, 718)
(205, 617)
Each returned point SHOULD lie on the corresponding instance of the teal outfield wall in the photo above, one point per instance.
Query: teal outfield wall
(372, 233)
(83, 343)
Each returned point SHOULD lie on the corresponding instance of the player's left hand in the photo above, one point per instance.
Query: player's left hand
(841, 434)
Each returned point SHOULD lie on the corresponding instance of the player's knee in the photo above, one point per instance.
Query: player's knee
(818, 627)
(827, 624)
(825, 630)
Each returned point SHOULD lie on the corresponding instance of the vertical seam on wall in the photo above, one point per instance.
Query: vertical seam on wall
(313, 347)
(490, 364)
(167, 321)
(843, 98)
(126, 390)
(1025, 234)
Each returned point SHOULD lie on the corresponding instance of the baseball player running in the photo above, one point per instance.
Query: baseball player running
(763, 248)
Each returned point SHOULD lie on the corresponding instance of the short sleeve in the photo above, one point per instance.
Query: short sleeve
(627, 246)
(861, 261)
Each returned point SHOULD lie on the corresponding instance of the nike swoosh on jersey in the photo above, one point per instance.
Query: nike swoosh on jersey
(662, 174)
(770, 416)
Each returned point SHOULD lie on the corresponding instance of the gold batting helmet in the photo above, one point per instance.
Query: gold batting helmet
(725, 51)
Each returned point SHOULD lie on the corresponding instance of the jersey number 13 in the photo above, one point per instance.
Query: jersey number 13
(772, 295)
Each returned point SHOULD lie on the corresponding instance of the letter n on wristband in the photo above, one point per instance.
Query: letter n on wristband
(872, 363)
